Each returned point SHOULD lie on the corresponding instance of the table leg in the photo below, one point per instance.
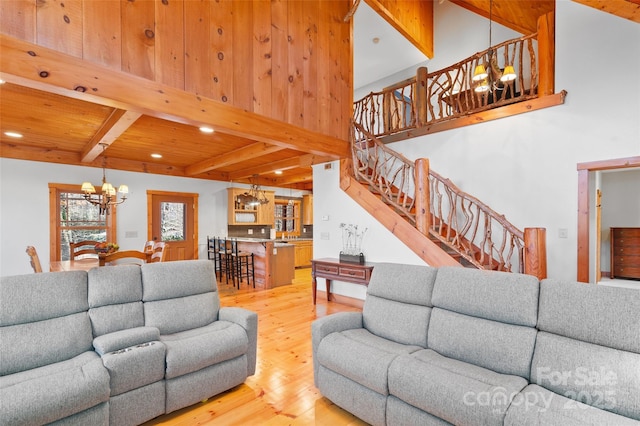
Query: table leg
(314, 286)
(328, 289)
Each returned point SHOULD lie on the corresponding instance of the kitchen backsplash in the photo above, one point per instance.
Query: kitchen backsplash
(242, 231)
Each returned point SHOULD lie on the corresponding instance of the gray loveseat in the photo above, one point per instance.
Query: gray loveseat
(118, 345)
(468, 347)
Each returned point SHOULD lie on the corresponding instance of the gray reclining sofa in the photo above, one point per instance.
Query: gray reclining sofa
(118, 345)
(469, 347)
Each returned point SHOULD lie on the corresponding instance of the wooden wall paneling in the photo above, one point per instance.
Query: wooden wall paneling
(334, 67)
(280, 39)
(346, 62)
(262, 79)
(243, 54)
(102, 39)
(19, 19)
(221, 58)
(310, 68)
(295, 63)
(138, 38)
(324, 66)
(170, 46)
(59, 26)
(197, 28)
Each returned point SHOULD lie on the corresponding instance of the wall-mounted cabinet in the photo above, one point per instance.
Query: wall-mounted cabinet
(287, 218)
(244, 214)
(307, 209)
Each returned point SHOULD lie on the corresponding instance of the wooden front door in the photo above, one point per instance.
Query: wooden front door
(172, 218)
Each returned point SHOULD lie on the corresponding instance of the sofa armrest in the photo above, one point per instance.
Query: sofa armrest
(333, 323)
(125, 338)
(249, 321)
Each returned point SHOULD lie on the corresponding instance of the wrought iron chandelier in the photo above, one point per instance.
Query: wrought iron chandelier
(108, 196)
(255, 196)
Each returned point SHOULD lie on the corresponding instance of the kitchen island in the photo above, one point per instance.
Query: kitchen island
(274, 261)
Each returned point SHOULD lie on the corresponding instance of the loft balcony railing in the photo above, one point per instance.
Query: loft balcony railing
(460, 221)
(434, 97)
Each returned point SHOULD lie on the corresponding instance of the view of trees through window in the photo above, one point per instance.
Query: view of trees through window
(172, 221)
(79, 220)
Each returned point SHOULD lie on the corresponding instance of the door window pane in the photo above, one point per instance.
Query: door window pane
(172, 221)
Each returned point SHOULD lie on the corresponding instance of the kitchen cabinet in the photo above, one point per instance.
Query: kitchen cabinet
(307, 209)
(243, 214)
(287, 218)
(303, 253)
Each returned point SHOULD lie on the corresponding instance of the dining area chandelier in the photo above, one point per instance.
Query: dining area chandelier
(486, 76)
(108, 196)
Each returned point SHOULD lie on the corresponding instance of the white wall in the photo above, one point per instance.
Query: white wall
(24, 207)
(525, 166)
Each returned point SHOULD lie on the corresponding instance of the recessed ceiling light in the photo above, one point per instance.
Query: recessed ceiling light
(156, 155)
(278, 172)
(13, 134)
(205, 129)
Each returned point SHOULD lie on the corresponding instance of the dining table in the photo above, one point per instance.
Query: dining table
(73, 265)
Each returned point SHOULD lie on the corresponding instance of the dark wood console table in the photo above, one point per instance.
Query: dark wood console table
(333, 269)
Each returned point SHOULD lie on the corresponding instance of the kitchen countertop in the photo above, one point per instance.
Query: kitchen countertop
(268, 240)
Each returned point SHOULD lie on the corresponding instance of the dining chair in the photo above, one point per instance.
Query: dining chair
(241, 265)
(124, 257)
(82, 249)
(148, 246)
(159, 252)
(34, 259)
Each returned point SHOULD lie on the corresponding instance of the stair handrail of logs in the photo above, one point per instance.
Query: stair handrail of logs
(449, 93)
(484, 238)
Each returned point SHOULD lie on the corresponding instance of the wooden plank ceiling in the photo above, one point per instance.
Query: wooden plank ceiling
(70, 130)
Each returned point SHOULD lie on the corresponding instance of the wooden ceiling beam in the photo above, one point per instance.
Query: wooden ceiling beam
(289, 163)
(232, 157)
(110, 130)
(44, 69)
(30, 153)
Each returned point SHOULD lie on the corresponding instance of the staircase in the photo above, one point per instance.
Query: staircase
(439, 222)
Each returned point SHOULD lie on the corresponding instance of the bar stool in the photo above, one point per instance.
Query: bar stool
(222, 256)
(242, 265)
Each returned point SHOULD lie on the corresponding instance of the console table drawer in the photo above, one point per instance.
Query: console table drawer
(327, 269)
(353, 273)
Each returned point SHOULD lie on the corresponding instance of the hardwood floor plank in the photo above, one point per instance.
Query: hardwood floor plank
(282, 390)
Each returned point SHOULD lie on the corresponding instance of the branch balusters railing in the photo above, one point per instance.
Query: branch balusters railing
(387, 172)
(450, 93)
(479, 234)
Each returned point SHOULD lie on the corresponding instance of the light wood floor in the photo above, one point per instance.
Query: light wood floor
(282, 391)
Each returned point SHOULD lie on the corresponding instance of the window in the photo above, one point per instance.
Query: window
(72, 218)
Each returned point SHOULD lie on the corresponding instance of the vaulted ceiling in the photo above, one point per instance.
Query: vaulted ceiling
(69, 130)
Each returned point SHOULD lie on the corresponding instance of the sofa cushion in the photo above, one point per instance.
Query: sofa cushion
(452, 390)
(113, 318)
(169, 280)
(504, 348)
(54, 391)
(195, 349)
(112, 285)
(182, 313)
(603, 377)
(586, 312)
(535, 406)
(500, 296)
(399, 413)
(361, 356)
(398, 302)
(36, 344)
(50, 295)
